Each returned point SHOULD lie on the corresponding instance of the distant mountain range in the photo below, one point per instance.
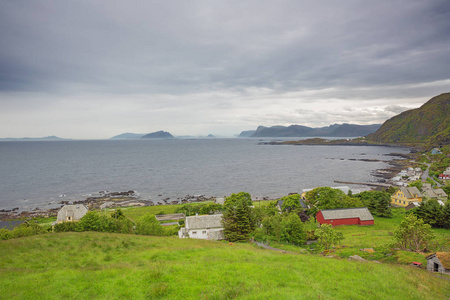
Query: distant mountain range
(336, 130)
(47, 138)
(428, 125)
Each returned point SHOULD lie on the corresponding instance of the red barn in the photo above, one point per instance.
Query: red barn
(345, 216)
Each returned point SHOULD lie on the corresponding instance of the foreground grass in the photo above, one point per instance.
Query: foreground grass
(116, 266)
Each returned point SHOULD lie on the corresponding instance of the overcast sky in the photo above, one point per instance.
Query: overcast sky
(95, 69)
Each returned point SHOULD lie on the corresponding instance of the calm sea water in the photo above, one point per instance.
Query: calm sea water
(40, 174)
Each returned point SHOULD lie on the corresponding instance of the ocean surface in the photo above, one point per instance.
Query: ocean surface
(42, 173)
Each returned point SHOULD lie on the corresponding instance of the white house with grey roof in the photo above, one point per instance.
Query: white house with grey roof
(206, 227)
(71, 213)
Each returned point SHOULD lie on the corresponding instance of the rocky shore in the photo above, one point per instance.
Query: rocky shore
(98, 201)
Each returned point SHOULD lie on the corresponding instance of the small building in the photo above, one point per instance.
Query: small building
(405, 195)
(345, 216)
(220, 201)
(437, 194)
(439, 262)
(443, 176)
(435, 151)
(71, 213)
(412, 205)
(206, 227)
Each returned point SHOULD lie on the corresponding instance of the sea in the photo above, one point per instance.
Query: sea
(41, 174)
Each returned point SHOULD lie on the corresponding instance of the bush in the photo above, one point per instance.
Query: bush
(148, 225)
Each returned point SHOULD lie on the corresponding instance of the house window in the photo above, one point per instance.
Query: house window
(194, 232)
(204, 232)
(69, 218)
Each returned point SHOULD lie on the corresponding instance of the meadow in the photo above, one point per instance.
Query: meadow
(118, 266)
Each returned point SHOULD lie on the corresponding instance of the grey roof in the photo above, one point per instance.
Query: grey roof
(411, 192)
(75, 211)
(361, 212)
(434, 193)
(205, 221)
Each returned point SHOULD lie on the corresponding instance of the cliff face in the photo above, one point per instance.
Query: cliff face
(428, 124)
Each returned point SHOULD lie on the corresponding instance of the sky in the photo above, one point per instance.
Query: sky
(95, 69)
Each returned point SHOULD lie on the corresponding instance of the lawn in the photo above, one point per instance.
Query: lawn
(116, 266)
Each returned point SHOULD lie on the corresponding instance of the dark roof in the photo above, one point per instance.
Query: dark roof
(346, 213)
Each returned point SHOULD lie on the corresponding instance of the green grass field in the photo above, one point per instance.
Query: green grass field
(117, 266)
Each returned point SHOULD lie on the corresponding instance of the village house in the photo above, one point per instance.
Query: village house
(437, 194)
(439, 262)
(206, 227)
(435, 151)
(345, 216)
(405, 195)
(71, 213)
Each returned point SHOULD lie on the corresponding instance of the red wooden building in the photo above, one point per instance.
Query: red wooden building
(345, 216)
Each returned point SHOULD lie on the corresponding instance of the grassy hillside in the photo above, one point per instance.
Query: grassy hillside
(428, 124)
(115, 266)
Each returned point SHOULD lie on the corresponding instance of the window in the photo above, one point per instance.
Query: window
(194, 232)
(204, 232)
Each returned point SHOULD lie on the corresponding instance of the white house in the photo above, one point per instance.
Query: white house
(71, 213)
(206, 227)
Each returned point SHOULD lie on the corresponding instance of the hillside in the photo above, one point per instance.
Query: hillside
(91, 265)
(426, 125)
(336, 130)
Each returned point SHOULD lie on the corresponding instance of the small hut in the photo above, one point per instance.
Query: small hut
(439, 262)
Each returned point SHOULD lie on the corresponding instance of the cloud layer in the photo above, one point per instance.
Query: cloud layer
(92, 69)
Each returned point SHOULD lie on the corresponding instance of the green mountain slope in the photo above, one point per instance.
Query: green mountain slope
(428, 124)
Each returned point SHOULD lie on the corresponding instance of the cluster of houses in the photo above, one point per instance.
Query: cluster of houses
(405, 177)
(209, 227)
(410, 197)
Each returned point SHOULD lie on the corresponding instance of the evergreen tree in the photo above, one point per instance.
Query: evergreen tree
(238, 220)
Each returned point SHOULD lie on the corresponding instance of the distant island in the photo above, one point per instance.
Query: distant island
(47, 138)
(128, 136)
(336, 130)
(158, 135)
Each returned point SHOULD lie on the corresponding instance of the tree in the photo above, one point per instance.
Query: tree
(431, 212)
(118, 214)
(290, 202)
(238, 220)
(378, 203)
(329, 198)
(413, 234)
(418, 184)
(293, 230)
(241, 196)
(148, 225)
(327, 236)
